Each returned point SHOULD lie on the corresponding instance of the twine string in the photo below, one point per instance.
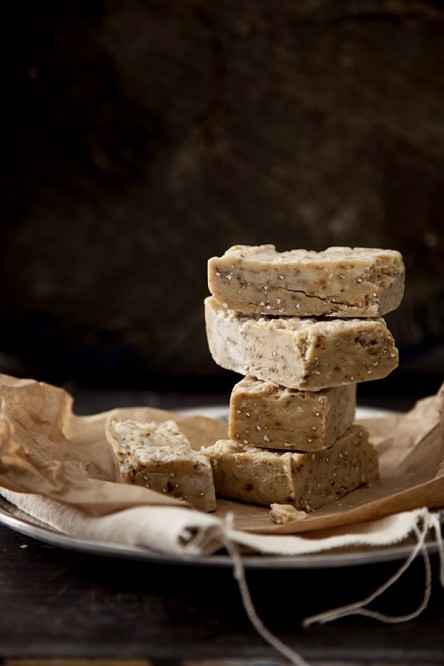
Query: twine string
(427, 521)
(239, 574)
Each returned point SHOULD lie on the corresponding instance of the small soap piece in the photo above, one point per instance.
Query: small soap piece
(301, 353)
(305, 480)
(159, 456)
(265, 415)
(337, 282)
(285, 513)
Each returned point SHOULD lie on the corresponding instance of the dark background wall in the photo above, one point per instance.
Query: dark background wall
(142, 137)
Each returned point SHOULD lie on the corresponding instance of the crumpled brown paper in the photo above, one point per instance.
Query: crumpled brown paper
(46, 449)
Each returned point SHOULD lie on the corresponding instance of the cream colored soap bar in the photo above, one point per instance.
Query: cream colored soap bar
(265, 415)
(338, 282)
(301, 353)
(160, 457)
(305, 480)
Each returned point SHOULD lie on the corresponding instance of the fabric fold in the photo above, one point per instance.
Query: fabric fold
(182, 531)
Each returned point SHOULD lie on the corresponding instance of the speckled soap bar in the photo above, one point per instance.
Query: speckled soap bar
(268, 416)
(302, 353)
(337, 282)
(160, 457)
(305, 480)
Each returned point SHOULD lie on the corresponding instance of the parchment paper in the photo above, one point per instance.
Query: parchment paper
(48, 450)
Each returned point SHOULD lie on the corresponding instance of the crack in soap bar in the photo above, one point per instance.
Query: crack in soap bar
(337, 282)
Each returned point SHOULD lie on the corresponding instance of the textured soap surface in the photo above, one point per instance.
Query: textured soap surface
(297, 352)
(305, 480)
(337, 282)
(265, 415)
(160, 457)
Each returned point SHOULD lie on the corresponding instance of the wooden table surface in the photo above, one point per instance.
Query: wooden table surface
(61, 606)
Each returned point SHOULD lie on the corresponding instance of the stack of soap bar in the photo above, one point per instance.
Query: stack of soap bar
(303, 328)
(338, 282)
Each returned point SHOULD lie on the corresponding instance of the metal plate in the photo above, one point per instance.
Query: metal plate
(21, 522)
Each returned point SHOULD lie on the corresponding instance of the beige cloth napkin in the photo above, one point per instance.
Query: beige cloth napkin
(178, 531)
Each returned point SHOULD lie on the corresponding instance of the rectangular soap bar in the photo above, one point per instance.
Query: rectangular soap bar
(160, 457)
(337, 282)
(305, 480)
(265, 415)
(297, 352)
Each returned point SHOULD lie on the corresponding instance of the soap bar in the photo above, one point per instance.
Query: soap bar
(285, 513)
(337, 282)
(160, 457)
(305, 480)
(265, 415)
(298, 352)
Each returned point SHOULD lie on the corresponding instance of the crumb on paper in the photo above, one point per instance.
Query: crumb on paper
(285, 513)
